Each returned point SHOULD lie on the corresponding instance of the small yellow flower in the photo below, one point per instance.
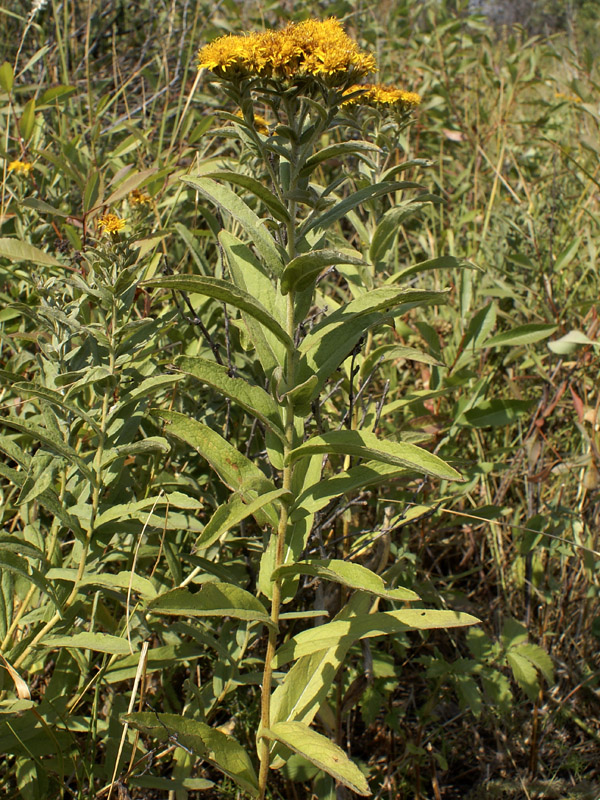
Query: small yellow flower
(20, 167)
(378, 94)
(139, 198)
(110, 223)
(261, 125)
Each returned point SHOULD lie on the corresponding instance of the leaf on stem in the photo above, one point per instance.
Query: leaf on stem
(254, 227)
(347, 573)
(366, 445)
(302, 271)
(321, 752)
(252, 399)
(212, 600)
(214, 746)
(366, 626)
(227, 293)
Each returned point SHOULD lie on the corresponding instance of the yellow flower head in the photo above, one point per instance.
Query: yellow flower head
(110, 223)
(319, 48)
(138, 198)
(261, 125)
(20, 167)
(378, 94)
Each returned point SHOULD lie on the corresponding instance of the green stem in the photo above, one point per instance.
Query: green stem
(287, 475)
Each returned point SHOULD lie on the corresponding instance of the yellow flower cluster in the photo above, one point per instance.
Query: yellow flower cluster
(20, 167)
(311, 48)
(139, 198)
(110, 223)
(378, 94)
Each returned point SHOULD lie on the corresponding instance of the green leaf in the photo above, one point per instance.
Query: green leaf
(331, 341)
(571, 342)
(7, 77)
(234, 469)
(301, 271)
(366, 626)
(320, 751)
(15, 250)
(219, 749)
(391, 352)
(20, 566)
(213, 600)
(315, 497)
(27, 120)
(335, 150)
(52, 443)
(227, 293)
(355, 576)
(341, 208)
(251, 276)
(493, 413)
(367, 445)
(251, 398)
(231, 514)
(258, 189)
(253, 226)
(120, 581)
(57, 399)
(131, 182)
(522, 334)
(524, 673)
(306, 685)
(43, 207)
(99, 642)
(538, 657)
(442, 262)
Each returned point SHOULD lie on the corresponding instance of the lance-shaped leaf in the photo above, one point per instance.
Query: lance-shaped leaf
(18, 565)
(523, 334)
(48, 499)
(341, 208)
(15, 250)
(230, 514)
(390, 352)
(214, 746)
(355, 576)
(57, 399)
(307, 683)
(253, 226)
(258, 189)
(366, 626)
(251, 398)
(52, 443)
(212, 600)
(332, 341)
(249, 274)
(227, 293)
(367, 445)
(301, 271)
(442, 262)
(99, 642)
(234, 469)
(320, 751)
(131, 182)
(121, 581)
(317, 496)
(335, 150)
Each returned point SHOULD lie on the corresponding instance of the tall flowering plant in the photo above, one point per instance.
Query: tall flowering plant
(306, 82)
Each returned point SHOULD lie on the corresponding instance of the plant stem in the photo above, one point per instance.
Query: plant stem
(287, 474)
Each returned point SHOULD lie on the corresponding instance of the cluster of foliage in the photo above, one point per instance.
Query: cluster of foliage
(283, 352)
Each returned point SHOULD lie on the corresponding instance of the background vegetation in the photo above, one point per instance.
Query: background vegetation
(507, 137)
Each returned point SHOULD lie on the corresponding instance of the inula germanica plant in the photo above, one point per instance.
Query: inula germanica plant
(299, 97)
(287, 304)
